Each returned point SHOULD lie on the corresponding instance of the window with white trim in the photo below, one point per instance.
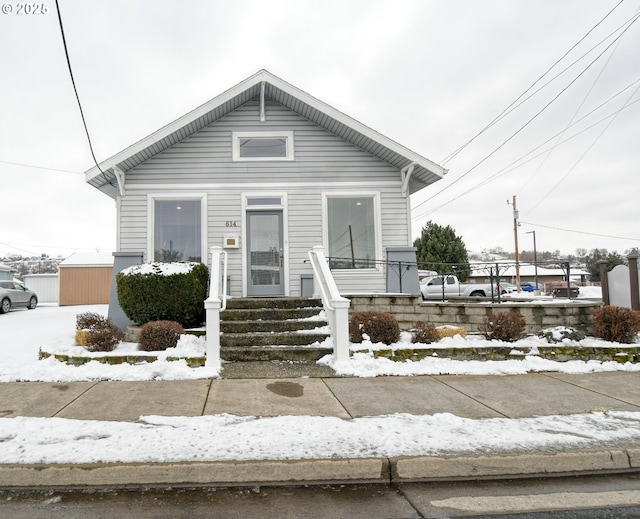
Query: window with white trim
(177, 230)
(262, 146)
(351, 231)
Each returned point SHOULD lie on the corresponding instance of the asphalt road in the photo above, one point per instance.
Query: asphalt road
(614, 496)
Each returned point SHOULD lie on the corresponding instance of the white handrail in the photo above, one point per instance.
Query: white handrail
(223, 257)
(336, 306)
(214, 305)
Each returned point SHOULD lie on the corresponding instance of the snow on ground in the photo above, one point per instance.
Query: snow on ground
(226, 437)
(24, 332)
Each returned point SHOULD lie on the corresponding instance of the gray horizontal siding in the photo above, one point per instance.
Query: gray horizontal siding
(202, 162)
(206, 155)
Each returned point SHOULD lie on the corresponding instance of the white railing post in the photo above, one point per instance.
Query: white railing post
(213, 304)
(335, 306)
(341, 330)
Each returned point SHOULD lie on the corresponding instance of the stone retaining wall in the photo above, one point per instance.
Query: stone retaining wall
(470, 314)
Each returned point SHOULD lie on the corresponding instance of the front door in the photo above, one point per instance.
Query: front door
(265, 253)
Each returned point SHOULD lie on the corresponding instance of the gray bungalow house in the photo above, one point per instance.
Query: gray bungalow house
(267, 172)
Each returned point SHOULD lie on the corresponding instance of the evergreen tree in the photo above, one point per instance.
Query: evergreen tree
(597, 255)
(440, 249)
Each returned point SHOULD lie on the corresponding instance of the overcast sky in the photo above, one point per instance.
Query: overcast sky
(429, 74)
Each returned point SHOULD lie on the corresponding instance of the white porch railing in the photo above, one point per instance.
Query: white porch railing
(214, 304)
(335, 306)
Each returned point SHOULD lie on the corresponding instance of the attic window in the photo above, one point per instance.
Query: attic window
(261, 146)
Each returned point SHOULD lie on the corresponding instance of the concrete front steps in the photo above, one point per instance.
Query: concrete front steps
(273, 329)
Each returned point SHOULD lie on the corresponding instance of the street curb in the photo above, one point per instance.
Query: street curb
(430, 468)
(229, 473)
(319, 471)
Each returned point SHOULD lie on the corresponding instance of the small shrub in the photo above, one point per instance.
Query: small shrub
(104, 337)
(159, 335)
(379, 326)
(424, 333)
(89, 320)
(96, 332)
(616, 324)
(82, 337)
(503, 326)
(561, 333)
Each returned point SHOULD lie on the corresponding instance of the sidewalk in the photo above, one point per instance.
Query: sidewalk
(475, 397)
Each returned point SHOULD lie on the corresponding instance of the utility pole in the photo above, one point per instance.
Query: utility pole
(515, 239)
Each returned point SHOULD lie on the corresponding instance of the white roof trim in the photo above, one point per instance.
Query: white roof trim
(258, 79)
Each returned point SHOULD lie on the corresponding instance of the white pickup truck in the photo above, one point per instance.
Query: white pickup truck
(442, 287)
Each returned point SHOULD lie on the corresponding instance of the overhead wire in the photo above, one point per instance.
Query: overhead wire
(575, 114)
(39, 167)
(519, 162)
(635, 18)
(582, 232)
(584, 154)
(572, 168)
(73, 82)
(508, 110)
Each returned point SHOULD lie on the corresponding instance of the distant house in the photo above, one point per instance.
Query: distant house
(528, 274)
(6, 272)
(267, 171)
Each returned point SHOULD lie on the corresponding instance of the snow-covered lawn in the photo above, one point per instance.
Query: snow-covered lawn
(227, 437)
(24, 332)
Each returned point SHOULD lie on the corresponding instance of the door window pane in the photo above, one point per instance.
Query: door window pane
(351, 232)
(177, 230)
(266, 249)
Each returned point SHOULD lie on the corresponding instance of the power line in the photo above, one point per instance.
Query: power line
(572, 168)
(73, 82)
(514, 165)
(32, 246)
(39, 167)
(531, 119)
(507, 110)
(582, 232)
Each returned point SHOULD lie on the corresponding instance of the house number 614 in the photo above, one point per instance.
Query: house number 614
(230, 223)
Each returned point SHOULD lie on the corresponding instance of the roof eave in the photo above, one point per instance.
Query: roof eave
(433, 171)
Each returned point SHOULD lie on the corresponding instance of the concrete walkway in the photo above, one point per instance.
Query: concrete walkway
(465, 396)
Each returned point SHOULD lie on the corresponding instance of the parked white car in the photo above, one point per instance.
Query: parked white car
(14, 295)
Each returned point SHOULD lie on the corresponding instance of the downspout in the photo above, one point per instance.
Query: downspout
(405, 175)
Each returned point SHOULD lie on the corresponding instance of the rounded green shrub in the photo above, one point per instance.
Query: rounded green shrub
(159, 335)
(164, 292)
(378, 326)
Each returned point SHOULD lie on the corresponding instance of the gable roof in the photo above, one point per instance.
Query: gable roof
(424, 172)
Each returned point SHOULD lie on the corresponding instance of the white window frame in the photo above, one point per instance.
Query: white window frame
(177, 196)
(283, 206)
(377, 222)
(236, 136)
